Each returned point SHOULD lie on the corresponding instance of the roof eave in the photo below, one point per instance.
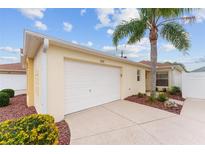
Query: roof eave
(80, 48)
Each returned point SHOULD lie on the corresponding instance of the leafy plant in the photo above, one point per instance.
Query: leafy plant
(140, 95)
(151, 99)
(36, 129)
(174, 90)
(4, 99)
(162, 97)
(10, 92)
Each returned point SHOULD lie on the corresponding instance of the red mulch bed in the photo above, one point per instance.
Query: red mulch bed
(64, 132)
(18, 108)
(144, 100)
(177, 97)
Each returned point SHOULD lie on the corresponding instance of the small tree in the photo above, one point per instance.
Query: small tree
(163, 22)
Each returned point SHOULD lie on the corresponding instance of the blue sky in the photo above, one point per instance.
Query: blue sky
(93, 28)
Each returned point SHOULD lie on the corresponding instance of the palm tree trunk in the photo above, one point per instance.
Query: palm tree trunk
(153, 56)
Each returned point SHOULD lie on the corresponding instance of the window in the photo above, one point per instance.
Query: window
(162, 79)
(138, 75)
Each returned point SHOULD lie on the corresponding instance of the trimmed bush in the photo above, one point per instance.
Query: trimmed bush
(4, 99)
(140, 95)
(162, 97)
(175, 90)
(36, 129)
(10, 92)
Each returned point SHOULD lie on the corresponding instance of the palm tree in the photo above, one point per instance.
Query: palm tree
(158, 21)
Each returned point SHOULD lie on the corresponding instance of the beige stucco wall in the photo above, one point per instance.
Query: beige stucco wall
(55, 67)
(30, 81)
(37, 81)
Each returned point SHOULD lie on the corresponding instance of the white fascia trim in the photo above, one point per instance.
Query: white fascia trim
(44, 76)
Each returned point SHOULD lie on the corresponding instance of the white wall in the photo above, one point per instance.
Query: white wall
(177, 78)
(40, 76)
(13, 81)
(193, 85)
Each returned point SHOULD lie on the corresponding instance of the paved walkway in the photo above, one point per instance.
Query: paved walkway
(123, 122)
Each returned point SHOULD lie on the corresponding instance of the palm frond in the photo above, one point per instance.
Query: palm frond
(127, 29)
(172, 12)
(176, 34)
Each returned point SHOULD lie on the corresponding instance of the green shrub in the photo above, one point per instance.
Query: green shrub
(36, 129)
(151, 99)
(4, 99)
(162, 97)
(140, 95)
(10, 92)
(174, 90)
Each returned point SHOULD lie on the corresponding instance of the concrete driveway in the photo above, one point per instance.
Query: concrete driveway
(123, 122)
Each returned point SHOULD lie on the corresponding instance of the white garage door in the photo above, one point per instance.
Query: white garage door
(193, 85)
(88, 85)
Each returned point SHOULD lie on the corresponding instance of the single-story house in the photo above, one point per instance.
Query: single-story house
(168, 74)
(13, 76)
(63, 77)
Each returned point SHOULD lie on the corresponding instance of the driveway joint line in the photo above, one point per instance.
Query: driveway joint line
(104, 132)
(154, 137)
(143, 123)
(119, 115)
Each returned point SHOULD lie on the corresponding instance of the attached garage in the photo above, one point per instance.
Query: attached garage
(88, 85)
(73, 78)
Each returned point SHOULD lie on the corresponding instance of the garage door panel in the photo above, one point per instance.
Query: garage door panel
(88, 85)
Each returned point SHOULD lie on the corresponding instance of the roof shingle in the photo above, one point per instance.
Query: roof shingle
(14, 67)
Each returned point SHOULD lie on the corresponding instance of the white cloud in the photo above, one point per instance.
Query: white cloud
(110, 31)
(9, 49)
(75, 42)
(112, 17)
(131, 51)
(167, 47)
(5, 59)
(67, 26)
(82, 12)
(89, 44)
(138, 46)
(33, 13)
(200, 15)
(39, 25)
(103, 16)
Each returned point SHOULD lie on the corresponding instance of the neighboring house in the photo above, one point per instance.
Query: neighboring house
(64, 77)
(202, 69)
(13, 76)
(168, 74)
